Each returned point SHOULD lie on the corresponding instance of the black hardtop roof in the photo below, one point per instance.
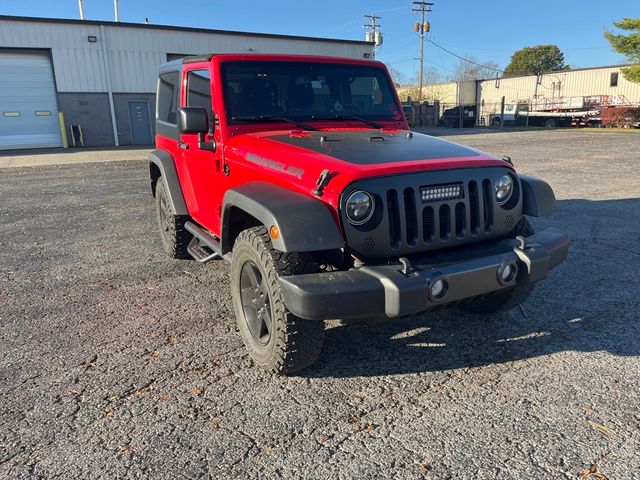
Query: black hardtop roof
(177, 64)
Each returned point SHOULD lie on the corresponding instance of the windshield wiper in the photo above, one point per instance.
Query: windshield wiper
(271, 118)
(346, 117)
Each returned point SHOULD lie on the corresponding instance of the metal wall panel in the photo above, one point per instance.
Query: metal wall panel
(136, 52)
(573, 83)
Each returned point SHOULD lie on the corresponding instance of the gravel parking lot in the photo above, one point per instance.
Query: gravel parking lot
(116, 361)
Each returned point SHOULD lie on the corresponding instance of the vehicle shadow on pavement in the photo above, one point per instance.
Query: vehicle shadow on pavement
(590, 303)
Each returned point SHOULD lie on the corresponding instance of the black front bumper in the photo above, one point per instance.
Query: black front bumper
(392, 290)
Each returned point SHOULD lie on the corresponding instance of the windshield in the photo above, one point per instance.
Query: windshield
(306, 91)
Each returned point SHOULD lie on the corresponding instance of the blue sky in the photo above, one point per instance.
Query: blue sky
(489, 30)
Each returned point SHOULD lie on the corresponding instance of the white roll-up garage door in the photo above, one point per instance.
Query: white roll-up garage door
(28, 107)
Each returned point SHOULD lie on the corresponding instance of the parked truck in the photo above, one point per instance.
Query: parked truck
(554, 112)
(301, 172)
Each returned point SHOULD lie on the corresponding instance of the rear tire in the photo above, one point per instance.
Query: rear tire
(174, 237)
(276, 340)
(504, 301)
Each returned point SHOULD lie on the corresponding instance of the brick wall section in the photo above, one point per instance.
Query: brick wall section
(91, 110)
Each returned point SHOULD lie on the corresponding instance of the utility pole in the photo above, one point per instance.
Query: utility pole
(423, 27)
(373, 34)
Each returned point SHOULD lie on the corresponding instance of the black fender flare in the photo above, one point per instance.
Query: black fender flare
(305, 224)
(163, 161)
(538, 198)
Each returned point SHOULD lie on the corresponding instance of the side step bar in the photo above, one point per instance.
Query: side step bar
(204, 246)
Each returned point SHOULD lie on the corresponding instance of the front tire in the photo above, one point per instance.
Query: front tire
(276, 340)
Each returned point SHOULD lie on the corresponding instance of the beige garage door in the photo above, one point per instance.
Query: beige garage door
(28, 107)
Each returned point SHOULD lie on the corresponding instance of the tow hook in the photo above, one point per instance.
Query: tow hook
(323, 180)
(407, 267)
(519, 251)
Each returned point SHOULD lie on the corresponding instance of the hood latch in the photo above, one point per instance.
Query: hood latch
(323, 180)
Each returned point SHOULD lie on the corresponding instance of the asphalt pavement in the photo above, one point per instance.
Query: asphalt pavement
(118, 362)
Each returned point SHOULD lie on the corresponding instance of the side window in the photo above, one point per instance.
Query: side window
(199, 90)
(168, 97)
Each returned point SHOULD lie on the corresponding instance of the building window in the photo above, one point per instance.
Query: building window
(614, 79)
(199, 90)
(168, 97)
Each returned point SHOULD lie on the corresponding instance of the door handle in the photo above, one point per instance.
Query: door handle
(183, 146)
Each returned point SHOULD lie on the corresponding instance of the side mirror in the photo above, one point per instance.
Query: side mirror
(193, 120)
(196, 120)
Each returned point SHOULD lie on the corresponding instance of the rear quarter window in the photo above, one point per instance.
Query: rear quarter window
(168, 97)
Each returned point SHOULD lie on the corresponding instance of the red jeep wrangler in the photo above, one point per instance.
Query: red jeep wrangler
(301, 172)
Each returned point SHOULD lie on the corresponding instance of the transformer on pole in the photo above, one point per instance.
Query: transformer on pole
(422, 28)
(374, 34)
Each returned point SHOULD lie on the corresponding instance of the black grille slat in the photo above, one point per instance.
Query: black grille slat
(394, 219)
(428, 225)
(460, 220)
(411, 217)
(474, 208)
(444, 222)
(487, 202)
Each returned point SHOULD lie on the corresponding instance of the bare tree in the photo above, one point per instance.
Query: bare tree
(399, 78)
(434, 86)
(433, 75)
(465, 70)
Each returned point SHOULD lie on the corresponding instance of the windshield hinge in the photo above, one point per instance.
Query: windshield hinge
(323, 180)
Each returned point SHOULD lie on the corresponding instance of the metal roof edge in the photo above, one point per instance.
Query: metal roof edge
(177, 28)
(555, 72)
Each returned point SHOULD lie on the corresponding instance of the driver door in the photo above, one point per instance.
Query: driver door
(201, 167)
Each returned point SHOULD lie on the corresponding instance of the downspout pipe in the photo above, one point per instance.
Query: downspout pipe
(107, 73)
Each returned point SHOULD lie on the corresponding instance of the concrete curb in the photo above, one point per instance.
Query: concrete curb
(38, 158)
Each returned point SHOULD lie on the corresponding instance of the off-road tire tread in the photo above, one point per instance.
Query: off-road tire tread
(176, 242)
(298, 341)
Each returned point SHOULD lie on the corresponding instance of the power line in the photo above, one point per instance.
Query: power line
(464, 59)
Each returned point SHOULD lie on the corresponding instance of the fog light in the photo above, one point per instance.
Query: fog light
(507, 273)
(439, 288)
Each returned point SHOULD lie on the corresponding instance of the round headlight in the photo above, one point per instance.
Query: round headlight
(359, 207)
(504, 188)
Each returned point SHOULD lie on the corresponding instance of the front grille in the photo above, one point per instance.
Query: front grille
(468, 214)
(426, 211)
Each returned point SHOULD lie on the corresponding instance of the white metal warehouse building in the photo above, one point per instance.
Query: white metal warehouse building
(488, 95)
(102, 75)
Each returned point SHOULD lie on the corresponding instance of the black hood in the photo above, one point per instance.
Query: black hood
(373, 147)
